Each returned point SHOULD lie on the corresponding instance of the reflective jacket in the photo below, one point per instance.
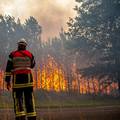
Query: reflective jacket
(19, 66)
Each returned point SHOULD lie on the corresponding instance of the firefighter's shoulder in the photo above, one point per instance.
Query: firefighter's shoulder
(28, 53)
(12, 53)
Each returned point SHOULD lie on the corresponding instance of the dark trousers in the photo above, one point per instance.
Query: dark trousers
(24, 105)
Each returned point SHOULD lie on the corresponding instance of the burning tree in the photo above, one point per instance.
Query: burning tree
(50, 76)
(95, 33)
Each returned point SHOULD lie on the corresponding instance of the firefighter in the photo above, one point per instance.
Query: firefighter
(18, 68)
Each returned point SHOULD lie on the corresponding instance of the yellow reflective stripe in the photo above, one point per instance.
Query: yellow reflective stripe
(31, 114)
(33, 101)
(22, 113)
(14, 78)
(22, 85)
(24, 101)
(28, 84)
(28, 78)
(8, 73)
(17, 113)
(16, 107)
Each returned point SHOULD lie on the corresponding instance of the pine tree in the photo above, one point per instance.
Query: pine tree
(98, 25)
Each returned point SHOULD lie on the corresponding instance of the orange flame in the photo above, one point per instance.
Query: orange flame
(51, 76)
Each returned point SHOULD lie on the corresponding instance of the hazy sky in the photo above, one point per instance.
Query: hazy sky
(51, 14)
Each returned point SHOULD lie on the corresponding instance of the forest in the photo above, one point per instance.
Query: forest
(83, 60)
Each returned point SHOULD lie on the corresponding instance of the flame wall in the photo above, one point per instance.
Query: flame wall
(51, 77)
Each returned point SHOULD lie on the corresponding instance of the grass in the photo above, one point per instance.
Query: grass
(76, 103)
(54, 100)
(44, 99)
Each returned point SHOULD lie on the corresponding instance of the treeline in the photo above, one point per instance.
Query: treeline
(85, 59)
(12, 30)
(95, 34)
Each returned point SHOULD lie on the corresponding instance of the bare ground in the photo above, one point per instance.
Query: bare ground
(88, 113)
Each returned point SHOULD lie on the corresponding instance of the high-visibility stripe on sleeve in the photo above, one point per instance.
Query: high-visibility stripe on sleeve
(8, 73)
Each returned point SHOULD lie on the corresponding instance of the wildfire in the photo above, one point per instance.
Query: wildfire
(90, 86)
(51, 76)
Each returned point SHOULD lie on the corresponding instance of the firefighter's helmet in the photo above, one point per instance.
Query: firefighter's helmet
(22, 42)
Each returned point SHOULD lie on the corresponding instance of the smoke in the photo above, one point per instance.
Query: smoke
(51, 14)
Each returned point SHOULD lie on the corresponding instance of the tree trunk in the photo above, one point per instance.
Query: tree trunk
(94, 89)
(88, 85)
(119, 86)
